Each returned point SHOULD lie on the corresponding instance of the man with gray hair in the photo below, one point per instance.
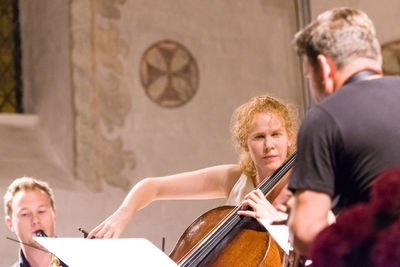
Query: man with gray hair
(352, 134)
(29, 208)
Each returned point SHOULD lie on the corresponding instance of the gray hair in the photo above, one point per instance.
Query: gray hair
(342, 34)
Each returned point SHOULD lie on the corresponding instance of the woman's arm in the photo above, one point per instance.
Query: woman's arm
(213, 182)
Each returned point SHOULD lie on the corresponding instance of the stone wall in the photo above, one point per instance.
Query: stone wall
(82, 61)
(121, 135)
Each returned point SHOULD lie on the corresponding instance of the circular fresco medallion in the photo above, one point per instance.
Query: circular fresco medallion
(391, 58)
(169, 74)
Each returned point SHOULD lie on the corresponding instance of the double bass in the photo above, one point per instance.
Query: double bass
(221, 237)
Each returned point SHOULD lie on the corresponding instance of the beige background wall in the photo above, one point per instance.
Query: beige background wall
(95, 132)
(47, 89)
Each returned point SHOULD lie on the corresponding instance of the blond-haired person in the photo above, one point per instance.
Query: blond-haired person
(29, 207)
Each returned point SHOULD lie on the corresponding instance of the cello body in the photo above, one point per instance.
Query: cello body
(221, 237)
(248, 244)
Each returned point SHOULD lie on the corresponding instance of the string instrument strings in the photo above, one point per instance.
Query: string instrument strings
(211, 241)
(39, 233)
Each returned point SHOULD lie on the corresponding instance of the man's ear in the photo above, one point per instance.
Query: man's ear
(9, 223)
(328, 70)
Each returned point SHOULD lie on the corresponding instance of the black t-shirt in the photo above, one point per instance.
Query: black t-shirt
(348, 139)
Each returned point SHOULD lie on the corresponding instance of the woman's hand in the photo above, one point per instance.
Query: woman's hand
(261, 208)
(112, 227)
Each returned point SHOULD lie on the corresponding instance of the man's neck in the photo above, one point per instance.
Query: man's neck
(355, 66)
(36, 257)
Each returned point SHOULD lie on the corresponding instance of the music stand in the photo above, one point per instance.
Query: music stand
(81, 252)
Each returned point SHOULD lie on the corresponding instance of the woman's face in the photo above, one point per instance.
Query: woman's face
(267, 143)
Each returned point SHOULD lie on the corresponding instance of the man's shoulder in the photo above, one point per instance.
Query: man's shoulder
(365, 88)
(317, 116)
(359, 97)
(388, 78)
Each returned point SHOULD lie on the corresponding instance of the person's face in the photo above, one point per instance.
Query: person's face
(314, 77)
(31, 211)
(267, 143)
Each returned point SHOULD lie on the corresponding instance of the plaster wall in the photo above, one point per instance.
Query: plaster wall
(81, 77)
(47, 91)
(239, 55)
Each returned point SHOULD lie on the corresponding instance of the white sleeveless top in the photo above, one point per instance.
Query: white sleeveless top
(243, 186)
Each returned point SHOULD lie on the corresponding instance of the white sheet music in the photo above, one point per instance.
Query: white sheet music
(80, 252)
(280, 233)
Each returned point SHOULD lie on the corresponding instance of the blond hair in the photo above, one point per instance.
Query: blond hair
(342, 34)
(25, 184)
(241, 120)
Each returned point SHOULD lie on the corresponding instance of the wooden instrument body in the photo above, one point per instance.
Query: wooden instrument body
(248, 244)
(220, 237)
